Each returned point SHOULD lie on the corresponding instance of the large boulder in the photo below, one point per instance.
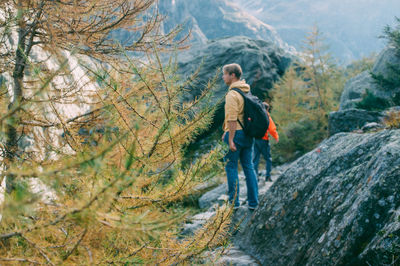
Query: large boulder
(356, 87)
(337, 205)
(262, 62)
(352, 119)
(389, 56)
(350, 115)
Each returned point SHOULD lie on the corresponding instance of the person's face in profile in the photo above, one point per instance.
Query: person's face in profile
(228, 78)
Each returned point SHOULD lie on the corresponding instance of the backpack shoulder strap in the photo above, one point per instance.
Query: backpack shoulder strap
(241, 93)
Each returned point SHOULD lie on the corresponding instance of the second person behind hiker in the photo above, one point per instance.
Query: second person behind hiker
(240, 145)
(262, 146)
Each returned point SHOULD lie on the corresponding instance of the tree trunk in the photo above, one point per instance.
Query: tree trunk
(12, 122)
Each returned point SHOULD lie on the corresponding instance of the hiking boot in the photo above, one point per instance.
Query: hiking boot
(245, 204)
(252, 208)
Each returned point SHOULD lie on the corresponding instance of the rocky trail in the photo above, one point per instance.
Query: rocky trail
(336, 205)
(216, 197)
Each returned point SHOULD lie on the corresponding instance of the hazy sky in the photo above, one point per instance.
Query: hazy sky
(351, 27)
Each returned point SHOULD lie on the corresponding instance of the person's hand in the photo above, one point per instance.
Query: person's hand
(277, 140)
(223, 136)
(232, 146)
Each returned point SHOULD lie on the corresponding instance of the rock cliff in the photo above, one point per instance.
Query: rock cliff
(336, 205)
(350, 115)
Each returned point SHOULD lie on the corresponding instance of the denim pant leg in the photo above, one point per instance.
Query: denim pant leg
(246, 159)
(231, 168)
(268, 160)
(256, 157)
(265, 149)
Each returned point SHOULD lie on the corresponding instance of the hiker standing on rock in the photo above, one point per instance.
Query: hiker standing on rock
(262, 146)
(240, 145)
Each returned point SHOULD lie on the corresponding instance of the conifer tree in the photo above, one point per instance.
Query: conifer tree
(319, 71)
(309, 90)
(80, 27)
(289, 98)
(116, 171)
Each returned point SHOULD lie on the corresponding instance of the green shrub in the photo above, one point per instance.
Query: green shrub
(371, 102)
(297, 139)
(396, 99)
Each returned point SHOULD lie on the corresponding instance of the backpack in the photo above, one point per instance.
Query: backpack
(255, 117)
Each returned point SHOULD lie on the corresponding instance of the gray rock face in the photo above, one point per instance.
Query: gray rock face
(212, 196)
(337, 205)
(372, 126)
(236, 257)
(355, 89)
(351, 119)
(384, 248)
(387, 56)
(262, 64)
(357, 86)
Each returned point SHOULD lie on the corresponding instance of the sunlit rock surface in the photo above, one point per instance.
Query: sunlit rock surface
(336, 205)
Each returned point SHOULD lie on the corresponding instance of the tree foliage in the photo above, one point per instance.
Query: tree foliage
(302, 100)
(388, 81)
(391, 80)
(114, 171)
(393, 35)
(371, 102)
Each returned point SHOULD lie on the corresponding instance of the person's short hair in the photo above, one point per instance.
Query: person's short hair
(233, 69)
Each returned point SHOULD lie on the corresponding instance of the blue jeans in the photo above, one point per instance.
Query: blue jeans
(244, 152)
(262, 147)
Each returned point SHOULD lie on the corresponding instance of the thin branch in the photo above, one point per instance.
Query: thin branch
(19, 260)
(76, 245)
(75, 211)
(41, 89)
(38, 249)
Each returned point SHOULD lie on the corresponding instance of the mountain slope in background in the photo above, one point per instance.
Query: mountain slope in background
(351, 27)
(214, 19)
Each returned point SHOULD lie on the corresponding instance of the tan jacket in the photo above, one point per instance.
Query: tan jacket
(234, 104)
